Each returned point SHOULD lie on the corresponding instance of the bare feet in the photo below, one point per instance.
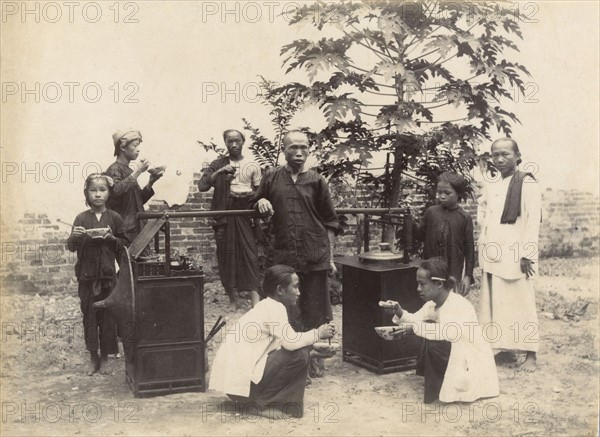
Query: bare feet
(316, 368)
(103, 366)
(255, 297)
(529, 365)
(93, 364)
(234, 304)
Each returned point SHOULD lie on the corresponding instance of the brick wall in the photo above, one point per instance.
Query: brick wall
(35, 260)
(34, 256)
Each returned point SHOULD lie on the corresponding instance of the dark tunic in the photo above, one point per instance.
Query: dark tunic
(96, 256)
(237, 253)
(96, 274)
(303, 213)
(449, 234)
(127, 197)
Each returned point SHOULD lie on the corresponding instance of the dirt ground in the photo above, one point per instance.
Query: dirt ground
(45, 390)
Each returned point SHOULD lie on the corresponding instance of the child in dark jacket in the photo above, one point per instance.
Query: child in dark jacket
(98, 238)
(447, 231)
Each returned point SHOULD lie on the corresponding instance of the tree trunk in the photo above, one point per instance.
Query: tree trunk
(389, 235)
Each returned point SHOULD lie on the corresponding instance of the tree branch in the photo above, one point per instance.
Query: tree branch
(379, 94)
(442, 122)
(449, 83)
(426, 19)
(363, 70)
(374, 50)
(435, 63)
(422, 56)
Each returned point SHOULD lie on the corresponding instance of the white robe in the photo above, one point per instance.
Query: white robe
(241, 358)
(471, 373)
(507, 308)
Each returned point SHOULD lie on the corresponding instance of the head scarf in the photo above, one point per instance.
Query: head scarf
(127, 135)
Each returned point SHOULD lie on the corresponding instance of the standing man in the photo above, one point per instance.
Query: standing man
(127, 197)
(510, 215)
(235, 178)
(305, 225)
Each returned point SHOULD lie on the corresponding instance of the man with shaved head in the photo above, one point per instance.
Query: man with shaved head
(510, 215)
(305, 225)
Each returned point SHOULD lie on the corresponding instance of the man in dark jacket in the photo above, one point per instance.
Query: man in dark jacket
(305, 225)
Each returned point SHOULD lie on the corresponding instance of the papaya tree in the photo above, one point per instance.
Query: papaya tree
(423, 82)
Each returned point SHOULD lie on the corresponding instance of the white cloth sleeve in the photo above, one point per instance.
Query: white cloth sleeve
(531, 211)
(290, 340)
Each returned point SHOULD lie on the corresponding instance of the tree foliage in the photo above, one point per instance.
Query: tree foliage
(423, 81)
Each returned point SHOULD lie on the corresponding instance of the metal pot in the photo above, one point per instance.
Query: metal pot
(382, 256)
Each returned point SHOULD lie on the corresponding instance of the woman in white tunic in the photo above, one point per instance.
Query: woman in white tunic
(263, 362)
(509, 214)
(456, 361)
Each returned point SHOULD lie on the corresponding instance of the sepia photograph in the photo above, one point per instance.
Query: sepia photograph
(263, 218)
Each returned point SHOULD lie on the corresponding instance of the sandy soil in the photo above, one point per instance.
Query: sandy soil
(45, 390)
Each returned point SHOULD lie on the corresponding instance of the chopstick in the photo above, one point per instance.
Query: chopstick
(215, 331)
(212, 332)
(65, 223)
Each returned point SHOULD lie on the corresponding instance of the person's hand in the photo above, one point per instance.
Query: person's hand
(326, 331)
(265, 207)
(155, 176)
(527, 267)
(156, 173)
(227, 169)
(109, 236)
(143, 165)
(392, 307)
(465, 286)
(332, 268)
(78, 231)
(403, 328)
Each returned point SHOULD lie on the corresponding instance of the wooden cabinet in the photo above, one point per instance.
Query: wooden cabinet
(168, 348)
(159, 307)
(364, 285)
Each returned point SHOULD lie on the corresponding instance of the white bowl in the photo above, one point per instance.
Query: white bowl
(157, 170)
(97, 232)
(325, 348)
(392, 332)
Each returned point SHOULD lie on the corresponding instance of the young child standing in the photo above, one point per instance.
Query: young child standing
(447, 230)
(456, 360)
(95, 268)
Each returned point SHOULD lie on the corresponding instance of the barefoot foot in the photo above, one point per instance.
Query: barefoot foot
(529, 365)
(93, 364)
(316, 368)
(103, 366)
